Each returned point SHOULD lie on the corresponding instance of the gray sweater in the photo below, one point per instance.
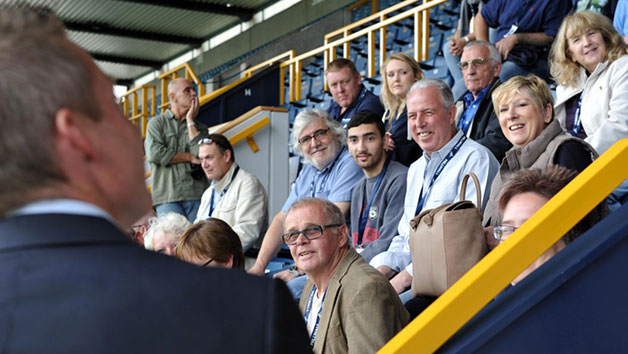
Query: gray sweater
(385, 212)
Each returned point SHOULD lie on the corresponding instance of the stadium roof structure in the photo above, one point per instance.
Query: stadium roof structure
(129, 38)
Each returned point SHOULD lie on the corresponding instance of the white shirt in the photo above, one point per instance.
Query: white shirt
(61, 206)
(244, 206)
(472, 157)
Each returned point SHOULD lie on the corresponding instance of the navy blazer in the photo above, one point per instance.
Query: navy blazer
(76, 284)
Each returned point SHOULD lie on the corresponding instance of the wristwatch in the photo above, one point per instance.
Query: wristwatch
(466, 39)
(293, 269)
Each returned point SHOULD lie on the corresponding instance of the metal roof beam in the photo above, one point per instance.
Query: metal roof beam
(243, 13)
(103, 28)
(126, 60)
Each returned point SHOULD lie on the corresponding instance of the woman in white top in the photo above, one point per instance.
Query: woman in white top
(589, 61)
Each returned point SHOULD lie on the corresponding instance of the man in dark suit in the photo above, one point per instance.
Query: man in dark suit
(71, 181)
(481, 64)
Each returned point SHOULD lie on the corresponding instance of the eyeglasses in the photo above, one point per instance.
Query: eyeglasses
(464, 65)
(206, 141)
(317, 135)
(501, 232)
(207, 263)
(310, 233)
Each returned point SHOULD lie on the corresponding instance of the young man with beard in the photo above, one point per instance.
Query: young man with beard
(377, 199)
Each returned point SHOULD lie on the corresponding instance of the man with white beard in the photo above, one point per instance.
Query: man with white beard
(329, 174)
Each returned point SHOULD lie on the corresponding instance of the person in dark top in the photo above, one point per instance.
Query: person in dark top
(399, 71)
(71, 182)
(475, 116)
(350, 96)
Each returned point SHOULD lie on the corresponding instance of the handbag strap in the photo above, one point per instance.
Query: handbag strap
(478, 191)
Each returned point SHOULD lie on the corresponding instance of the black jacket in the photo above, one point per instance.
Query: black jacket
(485, 128)
(75, 284)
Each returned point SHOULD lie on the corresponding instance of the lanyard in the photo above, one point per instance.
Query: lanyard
(576, 119)
(365, 212)
(308, 308)
(211, 201)
(313, 184)
(438, 171)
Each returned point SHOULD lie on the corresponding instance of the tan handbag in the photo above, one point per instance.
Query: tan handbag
(446, 242)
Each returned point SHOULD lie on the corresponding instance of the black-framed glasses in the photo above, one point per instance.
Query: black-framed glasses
(207, 263)
(501, 232)
(206, 141)
(311, 233)
(304, 140)
(464, 65)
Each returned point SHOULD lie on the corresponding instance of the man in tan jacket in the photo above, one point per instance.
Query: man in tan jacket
(348, 305)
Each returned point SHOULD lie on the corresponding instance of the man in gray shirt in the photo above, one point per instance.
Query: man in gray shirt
(377, 199)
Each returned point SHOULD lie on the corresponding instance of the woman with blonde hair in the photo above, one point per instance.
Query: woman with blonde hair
(399, 71)
(589, 61)
(524, 107)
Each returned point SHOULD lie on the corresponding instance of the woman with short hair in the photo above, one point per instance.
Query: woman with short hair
(211, 243)
(524, 107)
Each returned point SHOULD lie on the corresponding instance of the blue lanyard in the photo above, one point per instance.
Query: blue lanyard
(211, 201)
(576, 119)
(313, 184)
(438, 171)
(365, 212)
(308, 308)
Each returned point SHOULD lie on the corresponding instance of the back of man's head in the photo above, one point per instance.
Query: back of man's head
(42, 72)
(367, 117)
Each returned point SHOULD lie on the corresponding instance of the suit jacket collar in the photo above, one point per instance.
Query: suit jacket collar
(54, 230)
(335, 284)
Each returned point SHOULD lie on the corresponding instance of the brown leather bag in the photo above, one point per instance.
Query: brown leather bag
(446, 242)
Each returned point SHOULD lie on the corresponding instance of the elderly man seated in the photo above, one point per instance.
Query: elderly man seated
(349, 306)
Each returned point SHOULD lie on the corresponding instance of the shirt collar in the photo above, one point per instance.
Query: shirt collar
(468, 98)
(440, 154)
(222, 183)
(61, 206)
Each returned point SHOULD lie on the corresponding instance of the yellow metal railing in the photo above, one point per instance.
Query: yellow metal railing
(493, 273)
(248, 132)
(420, 14)
(130, 100)
(379, 16)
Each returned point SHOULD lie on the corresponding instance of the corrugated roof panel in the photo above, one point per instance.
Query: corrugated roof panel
(134, 48)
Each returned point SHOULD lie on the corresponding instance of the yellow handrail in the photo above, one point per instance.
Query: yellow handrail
(248, 115)
(493, 273)
(130, 98)
(248, 134)
(421, 41)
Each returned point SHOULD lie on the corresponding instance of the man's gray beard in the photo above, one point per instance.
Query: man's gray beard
(332, 151)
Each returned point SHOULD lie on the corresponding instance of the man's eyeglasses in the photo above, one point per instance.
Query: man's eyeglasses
(464, 65)
(207, 263)
(501, 232)
(311, 233)
(304, 140)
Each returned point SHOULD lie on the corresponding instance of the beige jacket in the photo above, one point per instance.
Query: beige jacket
(361, 310)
